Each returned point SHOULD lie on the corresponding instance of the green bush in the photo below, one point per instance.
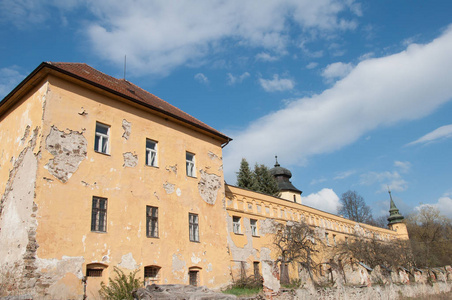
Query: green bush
(121, 287)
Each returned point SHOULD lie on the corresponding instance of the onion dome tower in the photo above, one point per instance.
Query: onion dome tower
(287, 189)
(395, 219)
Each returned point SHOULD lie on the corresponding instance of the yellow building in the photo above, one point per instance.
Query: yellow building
(96, 173)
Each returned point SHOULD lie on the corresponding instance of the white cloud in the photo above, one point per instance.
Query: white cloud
(311, 65)
(403, 166)
(9, 78)
(443, 132)
(264, 56)
(326, 200)
(337, 70)
(276, 84)
(158, 36)
(444, 205)
(412, 83)
(202, 78)
(237, 79)
(343, 175)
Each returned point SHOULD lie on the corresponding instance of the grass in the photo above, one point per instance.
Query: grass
(243, 291)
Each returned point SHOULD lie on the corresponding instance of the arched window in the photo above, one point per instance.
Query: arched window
(193, 274)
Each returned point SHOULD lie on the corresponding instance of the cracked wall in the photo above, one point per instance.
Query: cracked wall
(68, 149)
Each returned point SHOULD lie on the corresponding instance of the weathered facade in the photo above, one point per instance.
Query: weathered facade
(96, 173)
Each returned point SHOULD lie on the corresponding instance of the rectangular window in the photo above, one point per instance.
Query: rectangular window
(99, 214)
(327, 239)
(236, 225)
(151, 153)
(152, 228)
(190, 163)
(193, 227)
(101, 139)
(256, 270)
(151, 274)
(334, 240)
(193, 276)
(253, 224)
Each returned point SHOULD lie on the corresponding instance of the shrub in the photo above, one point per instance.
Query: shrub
(121, 287)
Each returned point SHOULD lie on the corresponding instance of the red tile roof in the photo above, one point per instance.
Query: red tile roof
(123, 88)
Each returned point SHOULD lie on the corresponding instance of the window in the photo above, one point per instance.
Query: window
(151, 274)
(253, 224)
(190, 163)
(151, 153)
(236, 225)
(334, 240)
(193, 275)
(294, 198)
(327, 239)
(152, 228)
(95, 269)
(99, 214)
(193, 227)
(101, 140)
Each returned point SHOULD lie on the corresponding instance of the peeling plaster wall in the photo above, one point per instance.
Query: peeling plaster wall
(208, 186)
(129, 185)
(68, 149)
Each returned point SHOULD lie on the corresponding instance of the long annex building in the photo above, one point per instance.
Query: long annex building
(96, 173)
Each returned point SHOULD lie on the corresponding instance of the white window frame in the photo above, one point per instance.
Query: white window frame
(253, 225)
(151, 153)
(327, 238)
(236, 228)
(190, 164)
(102, 139)
(193, 227)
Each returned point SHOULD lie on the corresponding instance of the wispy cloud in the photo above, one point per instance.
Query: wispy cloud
(443, 132)
(392, 180)
(367, 96)
(237, 79)
(9, 78)
(200, 77)
(345, 174)
(403, 166)
(276, 84)
(317, 181)
(311, 65)
(264, 56)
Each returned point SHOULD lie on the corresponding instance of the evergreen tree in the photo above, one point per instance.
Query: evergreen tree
(265, 182)
(246, 178)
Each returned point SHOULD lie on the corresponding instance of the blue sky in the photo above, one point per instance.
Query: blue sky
(349, 94)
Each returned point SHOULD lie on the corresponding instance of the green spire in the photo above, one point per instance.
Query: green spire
(394, 215)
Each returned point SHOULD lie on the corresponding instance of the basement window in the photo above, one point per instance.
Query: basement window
(99, 214)
(95, 269)
(190, 163)
(101, 139)
(193, 275)
(151, 274)
(151, 153)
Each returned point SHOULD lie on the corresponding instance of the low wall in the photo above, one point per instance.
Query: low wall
(391, 291)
